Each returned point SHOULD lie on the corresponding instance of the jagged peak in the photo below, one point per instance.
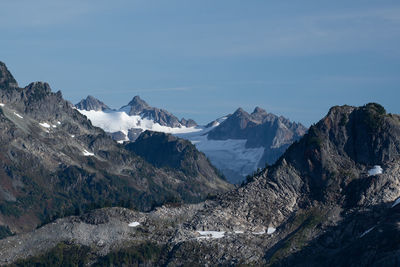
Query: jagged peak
(39, 87)
(137, 101)
(91, 103)
(240, 111)
(259, 110)
(6, 78)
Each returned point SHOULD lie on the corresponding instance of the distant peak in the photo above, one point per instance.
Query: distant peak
(259, 110)
(137, 101)
(239, 111)
(90, 97)
(91, 103)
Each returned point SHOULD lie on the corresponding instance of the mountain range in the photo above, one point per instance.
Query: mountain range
(330, 200)
(71, 195)
(237, 144)
(55, 162)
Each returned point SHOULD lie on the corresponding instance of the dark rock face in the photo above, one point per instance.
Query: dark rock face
(165, 150)
(260, 129)
(137, 106)
(6, 79)
(91, 103)
(53, 162)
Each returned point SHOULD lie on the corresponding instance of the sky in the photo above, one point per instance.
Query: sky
(204, 59)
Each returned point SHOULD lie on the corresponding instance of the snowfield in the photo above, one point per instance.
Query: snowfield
(229, 155)
(115, 121)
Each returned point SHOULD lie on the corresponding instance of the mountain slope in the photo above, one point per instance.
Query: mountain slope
(165, 150)
(54, 162)
(331, 199)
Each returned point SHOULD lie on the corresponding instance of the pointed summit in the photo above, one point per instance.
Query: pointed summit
(259, 110)
(6, 78)
(137, 101)
(91, 103)
(240, 111)
(136, 106)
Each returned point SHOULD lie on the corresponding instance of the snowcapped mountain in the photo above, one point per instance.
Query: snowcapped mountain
(236, 144)
(129, 121)
(240, 143)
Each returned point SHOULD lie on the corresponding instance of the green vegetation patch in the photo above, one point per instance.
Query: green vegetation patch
(144, 254)
(304, 224)
(375, 114)
(61, 255)
(5, 231)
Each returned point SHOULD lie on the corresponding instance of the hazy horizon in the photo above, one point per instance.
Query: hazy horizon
(203, 60)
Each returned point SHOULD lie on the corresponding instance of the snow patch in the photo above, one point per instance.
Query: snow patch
(19, 116)
(72, 136)
(396, 202)
(44, 124)
(259, 233)
(87, 153)
(211, 234)
(271, 230)
(239, 232)
(54, 126)
(375, 170)
(134, 224)
(1, 105)
(58, 122)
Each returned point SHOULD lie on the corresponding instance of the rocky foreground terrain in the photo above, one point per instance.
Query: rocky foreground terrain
(330, 200)
(54, 162)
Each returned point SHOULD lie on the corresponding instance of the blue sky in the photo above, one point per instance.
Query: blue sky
(204, 59)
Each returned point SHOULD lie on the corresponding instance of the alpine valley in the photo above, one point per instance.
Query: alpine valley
(70, 195)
